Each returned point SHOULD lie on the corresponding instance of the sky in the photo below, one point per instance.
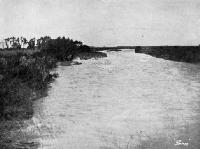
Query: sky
(104, 22)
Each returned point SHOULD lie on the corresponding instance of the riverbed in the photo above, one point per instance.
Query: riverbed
(123, 101)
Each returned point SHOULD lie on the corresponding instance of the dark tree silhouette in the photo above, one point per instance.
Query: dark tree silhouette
(31, 44)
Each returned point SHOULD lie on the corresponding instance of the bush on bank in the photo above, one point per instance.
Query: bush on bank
(63, 48)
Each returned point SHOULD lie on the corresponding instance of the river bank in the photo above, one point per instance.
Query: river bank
(189, 54)
(24, 72)
(24, 77)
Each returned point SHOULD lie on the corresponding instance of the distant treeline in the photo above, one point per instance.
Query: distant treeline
(61, 48)
(177, 53)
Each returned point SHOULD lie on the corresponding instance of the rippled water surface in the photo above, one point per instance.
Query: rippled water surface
(124, 101)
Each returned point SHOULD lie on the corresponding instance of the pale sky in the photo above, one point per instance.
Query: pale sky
(104, 22)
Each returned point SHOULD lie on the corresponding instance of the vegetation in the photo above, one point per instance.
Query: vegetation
(177, 53)
(21, 76)
(61, 48)
(25, 66)
(65, 49)
(25, 69)
(116, 48)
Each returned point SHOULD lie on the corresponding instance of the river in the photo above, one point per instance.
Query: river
(123, 101)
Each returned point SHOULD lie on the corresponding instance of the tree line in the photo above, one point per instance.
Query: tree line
(34, 43)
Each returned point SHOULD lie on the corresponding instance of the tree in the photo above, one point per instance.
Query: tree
(31, 44)
(24, 41)
(12, 40)
(78, 43)
(42, 41)
(39, 43)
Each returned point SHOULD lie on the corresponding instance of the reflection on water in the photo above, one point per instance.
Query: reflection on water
(124, 101)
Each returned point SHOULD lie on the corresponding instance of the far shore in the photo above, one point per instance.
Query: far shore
(190, 54)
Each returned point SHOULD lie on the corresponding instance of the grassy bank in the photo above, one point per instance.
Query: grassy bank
(21, 76)
(189, 54)
(25, 72)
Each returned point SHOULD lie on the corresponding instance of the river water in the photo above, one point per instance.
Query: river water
(124, 101)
